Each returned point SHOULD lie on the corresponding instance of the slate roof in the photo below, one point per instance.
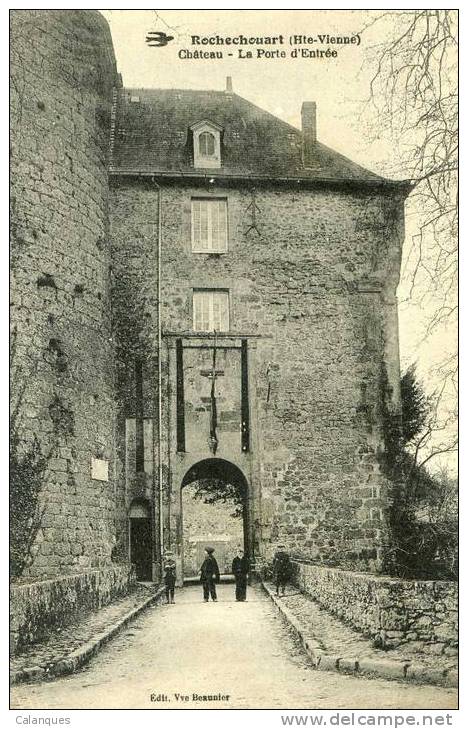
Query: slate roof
(152, 136)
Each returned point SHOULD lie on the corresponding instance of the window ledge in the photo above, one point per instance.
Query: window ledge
(210, 253)
(210, 335)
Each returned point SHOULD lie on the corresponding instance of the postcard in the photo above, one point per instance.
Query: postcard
(233, 282)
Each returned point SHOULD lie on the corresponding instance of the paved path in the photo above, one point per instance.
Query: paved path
(242, 650)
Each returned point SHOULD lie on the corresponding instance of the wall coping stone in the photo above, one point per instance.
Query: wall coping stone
(14, 586)
(366, 576)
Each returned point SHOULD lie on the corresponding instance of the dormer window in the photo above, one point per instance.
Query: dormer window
(206, 144)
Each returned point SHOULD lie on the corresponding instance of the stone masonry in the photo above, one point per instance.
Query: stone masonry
(63, 77)
(420, 616)
(43, 605)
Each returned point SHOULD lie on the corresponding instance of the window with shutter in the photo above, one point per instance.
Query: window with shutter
(209, 225)
(210, 310)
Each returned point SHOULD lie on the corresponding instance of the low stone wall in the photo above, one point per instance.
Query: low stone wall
(422, 615)
(39, 607)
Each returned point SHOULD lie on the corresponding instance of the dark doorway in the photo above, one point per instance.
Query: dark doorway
(140, 540)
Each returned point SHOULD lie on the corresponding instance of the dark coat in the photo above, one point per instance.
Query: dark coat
(282, 566)
(240, 566)
(209, 571)
(170, 573)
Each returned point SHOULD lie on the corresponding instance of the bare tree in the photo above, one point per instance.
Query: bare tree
(414, 92)
(413, 103)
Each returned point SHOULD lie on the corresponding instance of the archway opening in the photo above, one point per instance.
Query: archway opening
(140, 539)
(214, 506)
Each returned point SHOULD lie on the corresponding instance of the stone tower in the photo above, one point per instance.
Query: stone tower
(62, 87)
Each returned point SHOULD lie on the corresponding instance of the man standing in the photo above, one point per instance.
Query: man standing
(281, 568)
(209, 575)
(240, 570)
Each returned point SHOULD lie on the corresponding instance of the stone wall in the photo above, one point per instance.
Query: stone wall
(314, 290)
(63, 76)
(421, 615)
(38, 608)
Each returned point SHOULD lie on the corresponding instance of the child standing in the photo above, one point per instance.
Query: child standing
(169, 576)
(282, 569)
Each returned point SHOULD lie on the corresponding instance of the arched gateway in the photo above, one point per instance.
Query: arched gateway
(222, 483)
(214, 510)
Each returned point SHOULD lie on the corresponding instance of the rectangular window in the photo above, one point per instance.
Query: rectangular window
(210, 310)
(209, 225)
(131, 447)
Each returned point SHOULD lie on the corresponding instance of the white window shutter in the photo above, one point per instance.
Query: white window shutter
(197, 320)
(209, 225)
(224, 314)
(222, 217)
(195, 223)
(204, 225)
(216, 313)
(207, 304)
(210, 310)
(214, 225)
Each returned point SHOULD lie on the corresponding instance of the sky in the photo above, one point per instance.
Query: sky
(339, 86)
(277, 85)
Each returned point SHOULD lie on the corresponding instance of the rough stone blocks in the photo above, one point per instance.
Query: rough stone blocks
(390, 669)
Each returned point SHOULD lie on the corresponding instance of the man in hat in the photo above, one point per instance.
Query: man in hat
(209, 575)
(240, 570)
(281, 568)
(169, 576)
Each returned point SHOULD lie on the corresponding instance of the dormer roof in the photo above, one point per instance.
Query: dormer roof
(206, 123)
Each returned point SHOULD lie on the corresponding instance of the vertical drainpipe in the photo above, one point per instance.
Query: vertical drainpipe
(159, 449)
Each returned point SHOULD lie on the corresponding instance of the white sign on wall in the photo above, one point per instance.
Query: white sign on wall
(99, 469)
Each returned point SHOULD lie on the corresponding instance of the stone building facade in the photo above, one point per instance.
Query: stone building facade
(267, 258)
(200, 291)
